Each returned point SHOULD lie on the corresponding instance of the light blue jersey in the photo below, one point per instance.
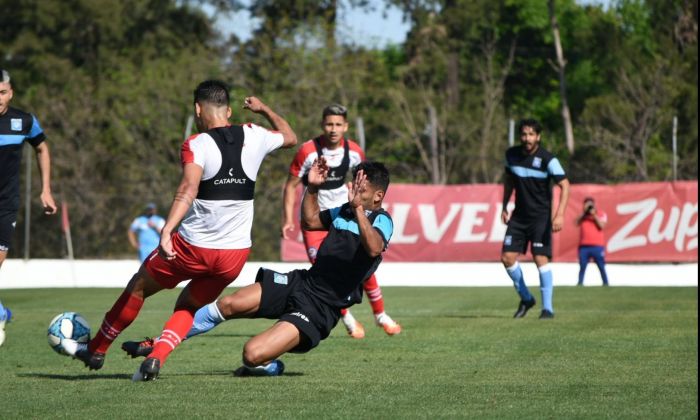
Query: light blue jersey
(146, 229)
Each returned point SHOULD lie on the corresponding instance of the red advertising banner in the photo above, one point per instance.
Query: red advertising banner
(647, 222)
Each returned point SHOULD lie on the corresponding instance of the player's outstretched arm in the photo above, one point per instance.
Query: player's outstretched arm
(278, 123)
(310, 210)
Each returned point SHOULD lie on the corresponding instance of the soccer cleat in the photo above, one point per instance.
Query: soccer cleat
(138, 348)
(274, 368)
(94, 361)
(148, 371)
(356, 330)
(523, 307)
(390, 326)
(545, 314)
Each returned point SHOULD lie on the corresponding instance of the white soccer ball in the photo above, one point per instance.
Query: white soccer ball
(68, 328)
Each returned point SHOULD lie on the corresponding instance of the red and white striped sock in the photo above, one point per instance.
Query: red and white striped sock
(174, 330)
(374, 294)
(122, 314)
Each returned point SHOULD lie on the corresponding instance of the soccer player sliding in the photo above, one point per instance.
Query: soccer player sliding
(307, 303)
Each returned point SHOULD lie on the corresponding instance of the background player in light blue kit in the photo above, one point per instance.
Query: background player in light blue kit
(529, 171)
(144, 232)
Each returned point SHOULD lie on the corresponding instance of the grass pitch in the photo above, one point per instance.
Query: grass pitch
(609, 353)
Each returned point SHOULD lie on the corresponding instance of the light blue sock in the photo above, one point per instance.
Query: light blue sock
(516, 274)
(205, 319)
(546, 287)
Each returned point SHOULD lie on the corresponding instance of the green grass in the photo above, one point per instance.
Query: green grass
(609, 353)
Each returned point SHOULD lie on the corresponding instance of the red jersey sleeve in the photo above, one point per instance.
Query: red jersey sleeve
(295, 169)
(186, 153)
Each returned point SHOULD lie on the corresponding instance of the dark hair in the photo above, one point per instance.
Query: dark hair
(335, 109)
(214, 92)
(4, 76)
(530, 122)
(377, 174)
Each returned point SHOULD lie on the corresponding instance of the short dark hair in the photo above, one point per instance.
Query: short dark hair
(530, 122)
(335, 109)
(214, 92)
(377, 174)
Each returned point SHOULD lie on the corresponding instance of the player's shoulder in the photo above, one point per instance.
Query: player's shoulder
(354, 146)
(14, 113)
(307, 148)
(199, 137)
(381, 212)
(514, 152)
(545, 154)
(251, 127)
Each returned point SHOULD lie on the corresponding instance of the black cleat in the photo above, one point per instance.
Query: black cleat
(148, 371)
(274, 368)
(545, 314)
(138, 348)
(523, 307)
(92, 360)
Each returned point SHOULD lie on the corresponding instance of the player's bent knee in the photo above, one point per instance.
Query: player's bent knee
(253, 354)
(230, 306)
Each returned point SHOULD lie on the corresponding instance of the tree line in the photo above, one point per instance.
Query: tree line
(111, 83)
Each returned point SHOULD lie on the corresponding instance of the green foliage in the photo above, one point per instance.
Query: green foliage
(111, 83)
(609, 353)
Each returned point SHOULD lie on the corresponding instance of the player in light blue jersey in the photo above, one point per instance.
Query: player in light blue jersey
(144, 232)
(16, 128)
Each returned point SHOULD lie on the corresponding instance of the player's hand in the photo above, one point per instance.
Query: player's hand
(557, 223)
(505, 217)
(359, 185)
(254, 104)
(318, 172)
(165, 249)
(287, 228)
(48, 203)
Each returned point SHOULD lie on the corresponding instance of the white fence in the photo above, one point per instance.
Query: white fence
(38, 273)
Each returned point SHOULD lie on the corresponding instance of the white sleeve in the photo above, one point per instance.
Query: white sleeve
(258, 142)
(268, 140)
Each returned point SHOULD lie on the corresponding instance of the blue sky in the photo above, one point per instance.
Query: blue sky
(372, 29)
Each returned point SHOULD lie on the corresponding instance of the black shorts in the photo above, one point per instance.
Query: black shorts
(537, 232)
(284, 298)
(8, 218)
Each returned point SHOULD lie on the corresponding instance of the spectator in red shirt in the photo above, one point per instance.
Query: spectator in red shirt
(592, 242)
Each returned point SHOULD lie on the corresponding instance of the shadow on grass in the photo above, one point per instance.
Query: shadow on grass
(122, 376)
(73, 377)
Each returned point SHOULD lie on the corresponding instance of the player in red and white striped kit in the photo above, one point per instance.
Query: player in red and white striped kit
(214, 208)
(341, 156)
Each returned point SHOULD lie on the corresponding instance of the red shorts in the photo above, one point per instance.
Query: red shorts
(312, 241)
(217, 267)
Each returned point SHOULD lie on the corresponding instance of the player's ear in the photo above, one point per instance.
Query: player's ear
(378, 196)
(228, 112)
(197, 110)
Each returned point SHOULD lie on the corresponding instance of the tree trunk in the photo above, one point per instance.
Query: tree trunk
(561, 65)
